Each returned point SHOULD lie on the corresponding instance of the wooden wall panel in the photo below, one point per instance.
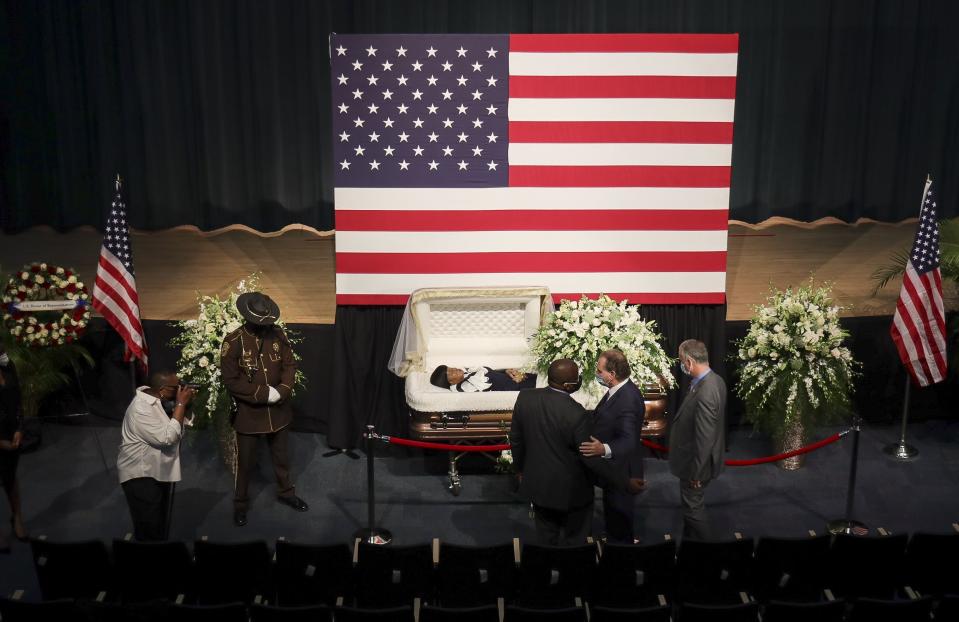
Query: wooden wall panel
(298, 265)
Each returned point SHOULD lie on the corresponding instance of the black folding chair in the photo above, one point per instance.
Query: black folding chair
(635, 575)
(872, 609)
(714, 572)
(80, 570)
(389, 614)
(152, 570)
(227, 612)
(931, 564)
(14, 610)
(554, 576)
(308, 574)
(867, 567)
(825, 611)
(528, 614)
(742, 612)
(485, 613)
(470, 576)
(306, 613)
(391, 576)
(792, 569)
(658, 613)
(231, 572)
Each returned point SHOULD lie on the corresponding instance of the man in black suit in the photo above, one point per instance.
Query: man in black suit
(617, 427)
(697, 438)
(548, 427)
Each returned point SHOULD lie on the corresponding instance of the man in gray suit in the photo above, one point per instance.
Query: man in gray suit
(697, 436)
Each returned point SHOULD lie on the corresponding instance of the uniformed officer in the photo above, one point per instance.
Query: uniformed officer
(258, 370)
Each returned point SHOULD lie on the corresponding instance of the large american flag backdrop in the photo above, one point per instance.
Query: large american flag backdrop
(587, 163)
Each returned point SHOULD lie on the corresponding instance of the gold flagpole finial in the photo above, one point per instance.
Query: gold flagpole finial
(118, 182)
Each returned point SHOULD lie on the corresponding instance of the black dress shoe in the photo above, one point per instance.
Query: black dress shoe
(239, 517)
(294, 502)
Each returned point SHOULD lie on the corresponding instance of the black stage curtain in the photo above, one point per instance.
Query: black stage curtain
(216, 112)
(364, 391)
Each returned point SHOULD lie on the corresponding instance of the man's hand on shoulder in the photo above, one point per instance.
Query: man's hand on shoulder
(592, 447)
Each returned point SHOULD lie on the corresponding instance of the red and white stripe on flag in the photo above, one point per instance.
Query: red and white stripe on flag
(115, 290)
(619, 158)
(918, 326)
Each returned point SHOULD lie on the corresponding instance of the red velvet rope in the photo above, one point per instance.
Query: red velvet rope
(442, 446)
(789, 454)
(655, 446)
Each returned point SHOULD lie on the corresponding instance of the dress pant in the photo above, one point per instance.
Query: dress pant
(695, 522)
(246, 445)
(563, 527)
(618, 512)
(149, 502)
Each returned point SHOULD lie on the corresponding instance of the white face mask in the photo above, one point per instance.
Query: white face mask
(4, 360)
(682, 366)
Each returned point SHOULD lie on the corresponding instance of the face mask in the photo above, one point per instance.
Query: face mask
(602, 382)
(575, 386)
(168, 407)
(4, 360)
(685, 369)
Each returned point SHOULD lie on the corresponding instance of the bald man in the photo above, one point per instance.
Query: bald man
(547, 429)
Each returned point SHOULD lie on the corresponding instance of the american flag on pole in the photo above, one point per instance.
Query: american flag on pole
(587, 163)
(115, 291)
(918, 326)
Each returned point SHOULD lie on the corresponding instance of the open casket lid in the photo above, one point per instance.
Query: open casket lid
(468, 326)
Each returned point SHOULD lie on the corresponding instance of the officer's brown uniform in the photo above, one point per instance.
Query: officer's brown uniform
(250, 365)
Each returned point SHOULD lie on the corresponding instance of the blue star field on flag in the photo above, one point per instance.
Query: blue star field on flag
(420, 110)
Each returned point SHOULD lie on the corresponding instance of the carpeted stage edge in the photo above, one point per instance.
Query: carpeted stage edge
(107, 386)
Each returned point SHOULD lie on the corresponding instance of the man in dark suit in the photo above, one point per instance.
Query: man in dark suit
(617, 426)
(697, 440)
(548, 427)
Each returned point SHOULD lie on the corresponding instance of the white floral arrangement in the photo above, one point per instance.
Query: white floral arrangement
(793, 366)
(582, 330)
(61, 290)
(201, 339)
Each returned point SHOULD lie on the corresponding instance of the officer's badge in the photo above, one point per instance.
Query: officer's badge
(224, 349)
(276, 346)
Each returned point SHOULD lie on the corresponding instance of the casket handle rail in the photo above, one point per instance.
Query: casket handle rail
(445, 420)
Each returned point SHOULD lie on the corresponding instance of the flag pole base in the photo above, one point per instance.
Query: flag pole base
(848, 527)
(375, 535)
(901, 451)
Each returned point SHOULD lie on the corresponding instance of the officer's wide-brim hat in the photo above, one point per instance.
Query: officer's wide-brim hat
(258, 308)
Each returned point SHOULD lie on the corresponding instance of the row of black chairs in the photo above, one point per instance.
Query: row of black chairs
(811, 569)
(862, 610)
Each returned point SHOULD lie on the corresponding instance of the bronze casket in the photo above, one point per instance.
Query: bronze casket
(472, 327)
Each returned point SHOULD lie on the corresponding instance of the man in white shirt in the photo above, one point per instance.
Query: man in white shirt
(149, 460)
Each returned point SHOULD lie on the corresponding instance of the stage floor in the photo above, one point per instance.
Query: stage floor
(70, 492)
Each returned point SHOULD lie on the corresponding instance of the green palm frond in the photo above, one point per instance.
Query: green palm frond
(948, 257)
(887, 272)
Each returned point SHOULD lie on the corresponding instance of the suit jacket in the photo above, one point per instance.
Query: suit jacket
(498, 380)
(697, 433)
(546, 431)
(618, 422)
(250, 365)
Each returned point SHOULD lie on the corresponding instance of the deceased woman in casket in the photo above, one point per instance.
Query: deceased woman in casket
(479, 379)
